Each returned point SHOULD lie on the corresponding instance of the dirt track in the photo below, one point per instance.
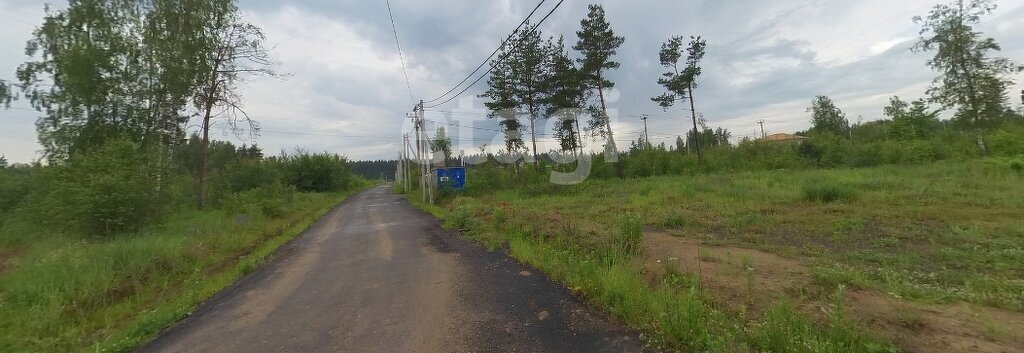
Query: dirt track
(377, 275)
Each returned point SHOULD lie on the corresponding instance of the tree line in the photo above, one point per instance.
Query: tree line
(116, 82)
(536, 78)
(104, 70)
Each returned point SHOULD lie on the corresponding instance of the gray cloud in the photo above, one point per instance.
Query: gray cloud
(765, 60)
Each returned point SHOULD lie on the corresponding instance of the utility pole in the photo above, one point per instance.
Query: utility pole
(422, 153)
(408, 163)
(763, 136)
(405, 162)
(417, 123)
(647, 137)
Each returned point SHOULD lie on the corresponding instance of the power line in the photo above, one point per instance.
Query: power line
(503, 42)
(401, 57)
(501, 58)
(323, 134)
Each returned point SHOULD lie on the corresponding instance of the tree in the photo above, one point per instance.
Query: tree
(119, 68)
(969, 78)
(598, 43)
(249, 152)
(529, 66)
(3, 162)
(564, 96)
(679, 83)
(503, 101)
(7, 94)
(84, 50)
(238, 51)
(826, 117)
(707, 136)
(910, 120)
(442, 143)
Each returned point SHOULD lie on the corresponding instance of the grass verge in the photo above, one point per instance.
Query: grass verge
(67, 294)
(936, 234)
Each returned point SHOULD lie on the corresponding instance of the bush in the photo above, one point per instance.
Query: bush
(319, 172)
(16, 184)
(1008, 140)
(268, 200)
(828, 192)
(110, 189)
(247, 174)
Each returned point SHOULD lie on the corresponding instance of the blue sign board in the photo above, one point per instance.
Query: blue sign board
(452, 177)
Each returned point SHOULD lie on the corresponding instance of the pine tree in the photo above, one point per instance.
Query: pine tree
(503, 101)
(680, 82)
(442, 143)
(564, 96)
(529, 64)
(598, 43)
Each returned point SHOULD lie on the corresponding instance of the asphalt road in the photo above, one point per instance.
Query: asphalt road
(377, 275)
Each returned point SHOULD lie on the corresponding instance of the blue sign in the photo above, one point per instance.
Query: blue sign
(452, 177)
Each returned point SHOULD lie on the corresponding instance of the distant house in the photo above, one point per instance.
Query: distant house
(784, 138)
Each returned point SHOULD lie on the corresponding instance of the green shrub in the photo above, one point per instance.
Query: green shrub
(820, 191)
(110, 189)
(1008, 140)
(16, 184)
(269, 200)
(247, 174)
(316, 172)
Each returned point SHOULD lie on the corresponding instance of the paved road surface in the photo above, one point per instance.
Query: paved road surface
(376, 275)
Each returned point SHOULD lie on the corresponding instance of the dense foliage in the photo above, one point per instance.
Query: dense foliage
(121, 186)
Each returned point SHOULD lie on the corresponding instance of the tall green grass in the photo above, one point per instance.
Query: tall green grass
(933, 233)
(72, 294)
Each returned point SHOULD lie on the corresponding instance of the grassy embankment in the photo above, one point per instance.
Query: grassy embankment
(72, 294)
(912, 258)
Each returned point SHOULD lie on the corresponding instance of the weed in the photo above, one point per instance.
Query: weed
(630, 235)
(828, 192)
(673, 221)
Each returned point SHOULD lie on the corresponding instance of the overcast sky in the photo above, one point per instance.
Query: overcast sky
(346, 94)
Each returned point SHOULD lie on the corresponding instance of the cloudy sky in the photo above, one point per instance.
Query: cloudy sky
(347, 94)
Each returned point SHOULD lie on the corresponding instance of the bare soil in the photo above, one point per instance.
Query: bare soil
(7, 256)
(748, 281)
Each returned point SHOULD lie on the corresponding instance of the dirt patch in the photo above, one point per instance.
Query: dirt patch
(740, 278)
(747, 280)
(7, 257)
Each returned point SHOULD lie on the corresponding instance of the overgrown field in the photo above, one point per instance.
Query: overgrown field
(913, 258)
(68, 293)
